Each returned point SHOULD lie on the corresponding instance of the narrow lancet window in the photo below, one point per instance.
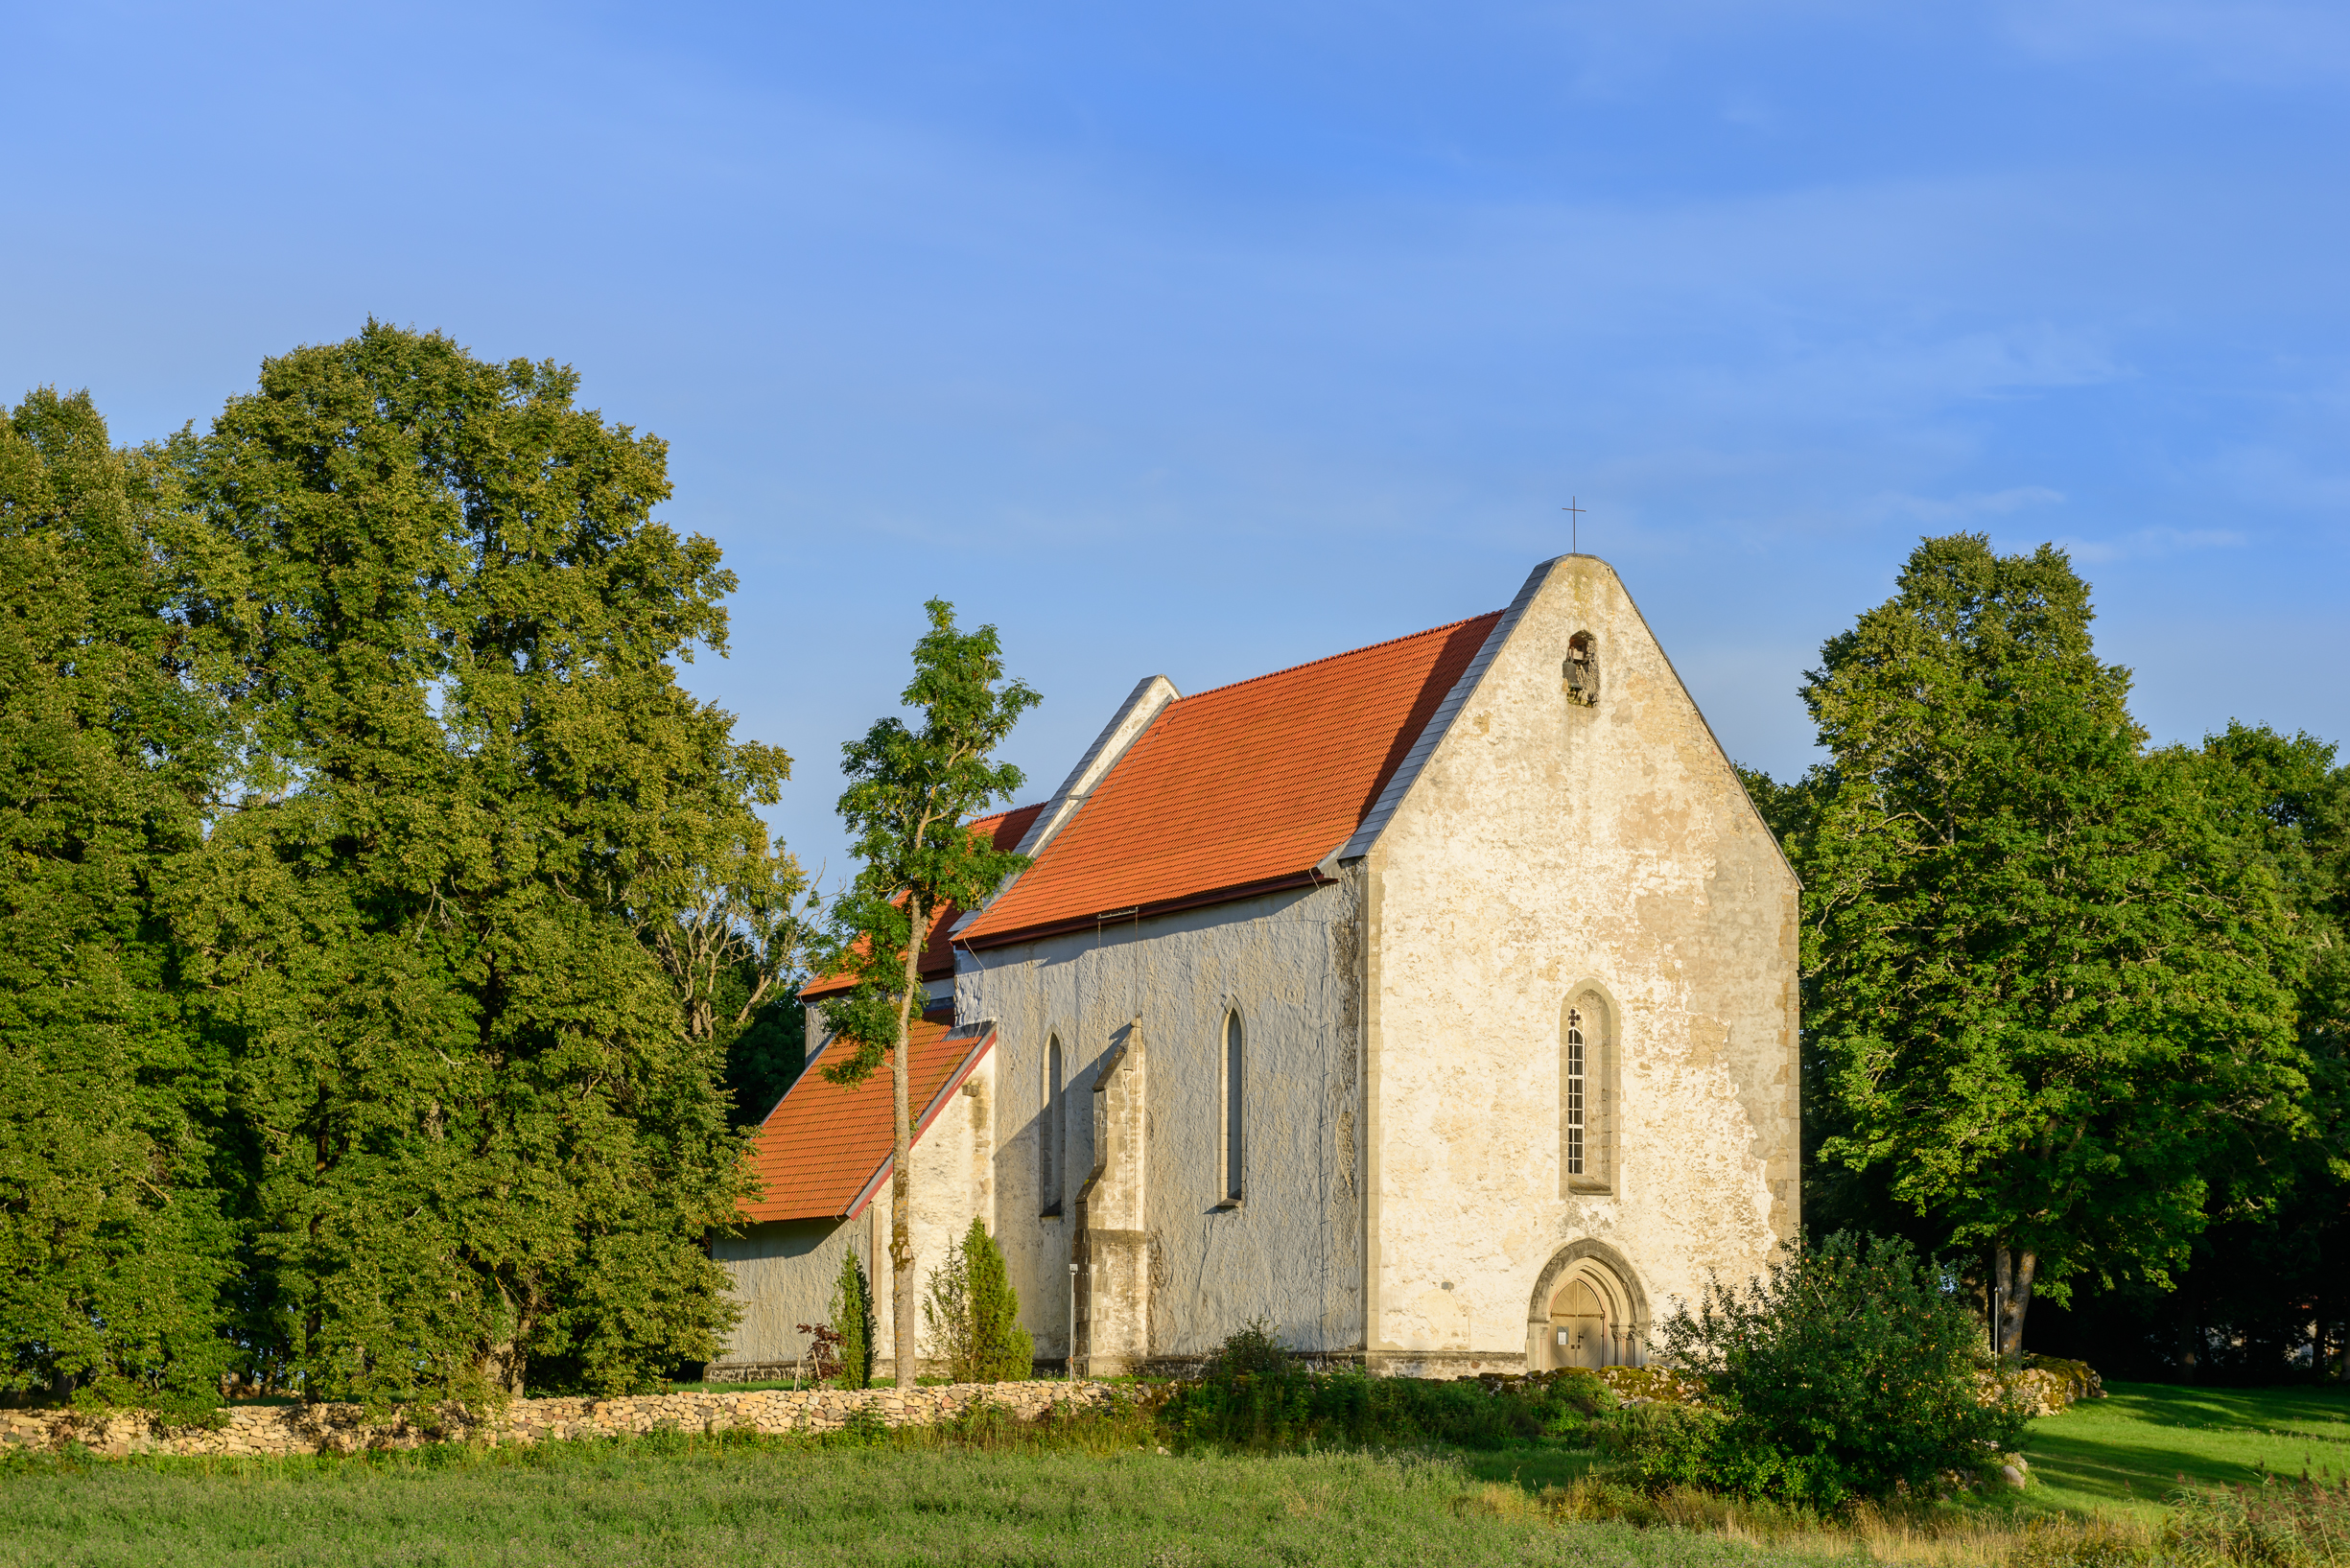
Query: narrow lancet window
(1050, 1132)
(1578, 1083)
(1586, 1094)
(1234, 1079)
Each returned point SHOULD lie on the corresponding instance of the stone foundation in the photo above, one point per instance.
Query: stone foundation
(270, 1430)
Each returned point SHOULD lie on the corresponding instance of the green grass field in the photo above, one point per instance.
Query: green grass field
(577, 1505)
(1104, 1495)
(2125, 1451)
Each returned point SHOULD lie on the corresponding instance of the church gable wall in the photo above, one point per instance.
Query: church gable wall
(1289, 1251)
(1555, 847)
(954, 1182)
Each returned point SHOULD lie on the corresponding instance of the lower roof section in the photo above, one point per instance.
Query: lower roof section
(824, 1150)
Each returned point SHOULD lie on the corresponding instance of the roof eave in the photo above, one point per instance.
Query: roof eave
(1310, 877)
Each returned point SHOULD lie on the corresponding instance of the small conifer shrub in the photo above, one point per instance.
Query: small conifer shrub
(973, 1314)
(853, 1321)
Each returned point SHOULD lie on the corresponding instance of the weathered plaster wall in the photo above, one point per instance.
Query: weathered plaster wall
(783, 1275)
(783, 1272)
(954, 1182)
(1290, 1252)
(1545, 847)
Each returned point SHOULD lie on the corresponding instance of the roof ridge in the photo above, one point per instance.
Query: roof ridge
(1327, 658)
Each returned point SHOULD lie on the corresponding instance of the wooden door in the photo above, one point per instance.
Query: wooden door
(1578, 1327)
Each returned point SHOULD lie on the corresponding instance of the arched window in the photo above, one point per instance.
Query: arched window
(1578, 1090)
(1236, 1080)
(1052, 1135)
(1587, 1096)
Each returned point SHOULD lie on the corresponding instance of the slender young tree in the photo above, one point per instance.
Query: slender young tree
(2050, 982)
(912, 793)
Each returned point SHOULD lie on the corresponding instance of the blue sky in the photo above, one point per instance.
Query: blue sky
(1208, 340)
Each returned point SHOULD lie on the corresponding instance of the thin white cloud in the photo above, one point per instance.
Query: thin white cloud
(2277, 42)
(2277, 477)
(2151, 543)
(1945, 511)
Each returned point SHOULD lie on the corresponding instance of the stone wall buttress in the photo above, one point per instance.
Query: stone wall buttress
(1114, 1285)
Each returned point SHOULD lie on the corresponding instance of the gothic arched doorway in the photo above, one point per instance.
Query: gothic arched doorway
(1588, 1310)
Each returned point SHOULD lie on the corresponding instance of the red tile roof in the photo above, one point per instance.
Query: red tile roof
(1240, 788)
(823, 1150)
(1005, 829)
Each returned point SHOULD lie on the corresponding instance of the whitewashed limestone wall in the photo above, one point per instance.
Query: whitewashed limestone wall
(953, 1183)
(1291, 1252)
(1545, 847)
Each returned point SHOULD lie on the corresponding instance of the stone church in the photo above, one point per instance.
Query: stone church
(1434, 1003)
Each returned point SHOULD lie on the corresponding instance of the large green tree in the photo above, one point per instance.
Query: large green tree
(2269, 1269)
(461, 938)
(912, 793)
(2050, 976)
(114, 1251)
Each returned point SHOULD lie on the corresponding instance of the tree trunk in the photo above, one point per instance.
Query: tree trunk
(502, 1369)
(503, 1365)
(2319, 1361)
(901, 1159)
(2190, 1331)
(2013, 1271)
(2340, 1306)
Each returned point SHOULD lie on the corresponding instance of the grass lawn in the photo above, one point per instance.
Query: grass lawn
(578, 1505)
(2125, 1451)
(1099, 1492)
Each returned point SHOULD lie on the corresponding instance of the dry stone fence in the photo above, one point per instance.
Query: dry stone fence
(261, 1430)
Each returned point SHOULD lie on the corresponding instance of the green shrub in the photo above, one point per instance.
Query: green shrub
(853, 1321)
(1250, 1393)
(1003, 1348)
(1849, 1371)
(1253, 1394)
(864, 1427)
(973, 1314)
(1576, 1389)
(1662, 1446)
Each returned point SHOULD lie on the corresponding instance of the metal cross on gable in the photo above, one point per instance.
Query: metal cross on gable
(1575, 524)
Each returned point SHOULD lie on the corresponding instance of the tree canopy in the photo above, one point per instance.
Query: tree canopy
(410, 904)
(114, 1246)
(2050, 975)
